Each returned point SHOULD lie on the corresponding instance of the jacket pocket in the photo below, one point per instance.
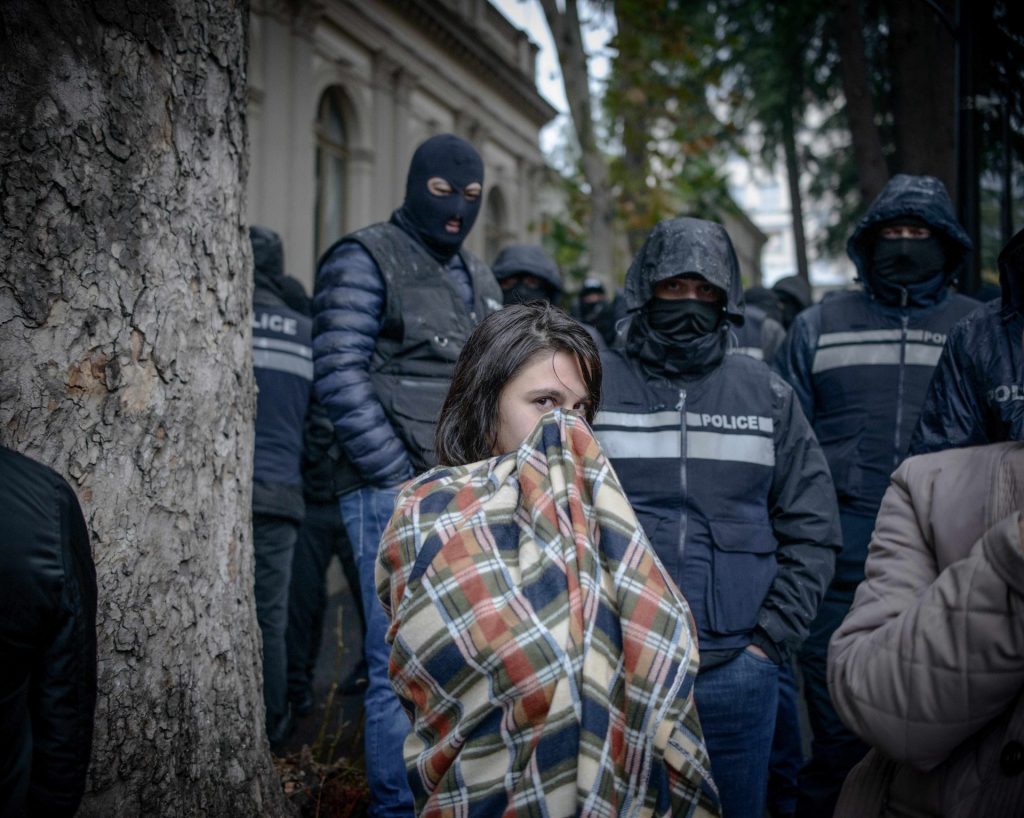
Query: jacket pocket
(743, 566)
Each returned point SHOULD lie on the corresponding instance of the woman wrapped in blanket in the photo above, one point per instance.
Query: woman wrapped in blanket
(545, 657)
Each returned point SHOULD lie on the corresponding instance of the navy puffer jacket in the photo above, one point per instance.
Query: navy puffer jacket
(348, 311)
(976, 395)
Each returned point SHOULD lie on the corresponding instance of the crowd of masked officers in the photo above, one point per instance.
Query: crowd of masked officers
(763, 442)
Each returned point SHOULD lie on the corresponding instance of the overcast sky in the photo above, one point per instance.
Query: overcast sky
(527, 15)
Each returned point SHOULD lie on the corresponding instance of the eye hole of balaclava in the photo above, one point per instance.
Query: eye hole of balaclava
(456, 162)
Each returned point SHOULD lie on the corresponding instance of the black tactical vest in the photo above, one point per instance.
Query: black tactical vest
(425, 327)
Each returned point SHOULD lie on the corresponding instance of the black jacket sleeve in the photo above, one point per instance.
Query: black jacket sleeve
(951, 417)
(805, 521)
(65, 681)
(348, 310)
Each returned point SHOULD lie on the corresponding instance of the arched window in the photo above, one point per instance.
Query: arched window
(495, 231)
(331, 156)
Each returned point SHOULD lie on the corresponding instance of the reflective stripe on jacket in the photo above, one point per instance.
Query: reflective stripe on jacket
(733, 492)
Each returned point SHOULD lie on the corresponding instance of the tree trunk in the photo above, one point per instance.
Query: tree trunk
(795, 197)
(572, 57)
(125, 295)
(923, 56)
(860, 105)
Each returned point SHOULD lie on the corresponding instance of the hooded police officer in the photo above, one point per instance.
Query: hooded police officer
(860, 362)
(526, 273)
(284, 375)
(729, 483)
(394, 304)
(976, 394)
(794, 296)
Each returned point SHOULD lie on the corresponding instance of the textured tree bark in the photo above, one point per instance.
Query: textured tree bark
(572, 58)
(872, 170)
(125, 295)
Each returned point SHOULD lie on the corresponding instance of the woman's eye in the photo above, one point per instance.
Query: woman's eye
(543, 401)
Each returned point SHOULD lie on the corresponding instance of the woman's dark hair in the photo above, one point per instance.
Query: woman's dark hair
(500, 346)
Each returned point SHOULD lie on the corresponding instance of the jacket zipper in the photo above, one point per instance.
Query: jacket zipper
(904, 321)
(682, 472)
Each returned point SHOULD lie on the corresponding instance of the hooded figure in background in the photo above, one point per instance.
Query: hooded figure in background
(393, 307)
(766, 299)
(794, 295)
(526, 273)
(860, 363)
(759, 337)
(593, 309)
(728, 482)
(284, 375)
(976, 395)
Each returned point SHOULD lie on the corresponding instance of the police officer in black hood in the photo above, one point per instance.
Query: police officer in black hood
(393, 306)
(860, 362)
(284, 375)
(729, 484)
(526, 273)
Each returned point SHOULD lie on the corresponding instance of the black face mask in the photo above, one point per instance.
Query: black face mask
(908, 261)
(590, 313)
(423, 214)
(520, 293)
(683, 319)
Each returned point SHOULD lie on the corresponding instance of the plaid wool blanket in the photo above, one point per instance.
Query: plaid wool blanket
(543, 653)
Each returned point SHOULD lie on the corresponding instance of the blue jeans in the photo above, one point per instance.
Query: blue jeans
(737, 703)
(366, 512)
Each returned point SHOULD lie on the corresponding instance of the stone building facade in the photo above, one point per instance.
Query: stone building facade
(341, 92)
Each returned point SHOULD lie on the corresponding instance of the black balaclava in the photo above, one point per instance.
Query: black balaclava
(684, 319)
(423, 215)
(522, 293)
(908, 261)
(679, 337)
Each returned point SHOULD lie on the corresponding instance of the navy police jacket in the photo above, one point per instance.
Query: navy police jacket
(733, 492)
(977, 392)
(860, 361)
(282, 359)
(861, 369)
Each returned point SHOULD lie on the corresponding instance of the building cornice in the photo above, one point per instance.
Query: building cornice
(451, 30)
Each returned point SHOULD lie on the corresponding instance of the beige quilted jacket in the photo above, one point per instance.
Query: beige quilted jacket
(928, 666)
